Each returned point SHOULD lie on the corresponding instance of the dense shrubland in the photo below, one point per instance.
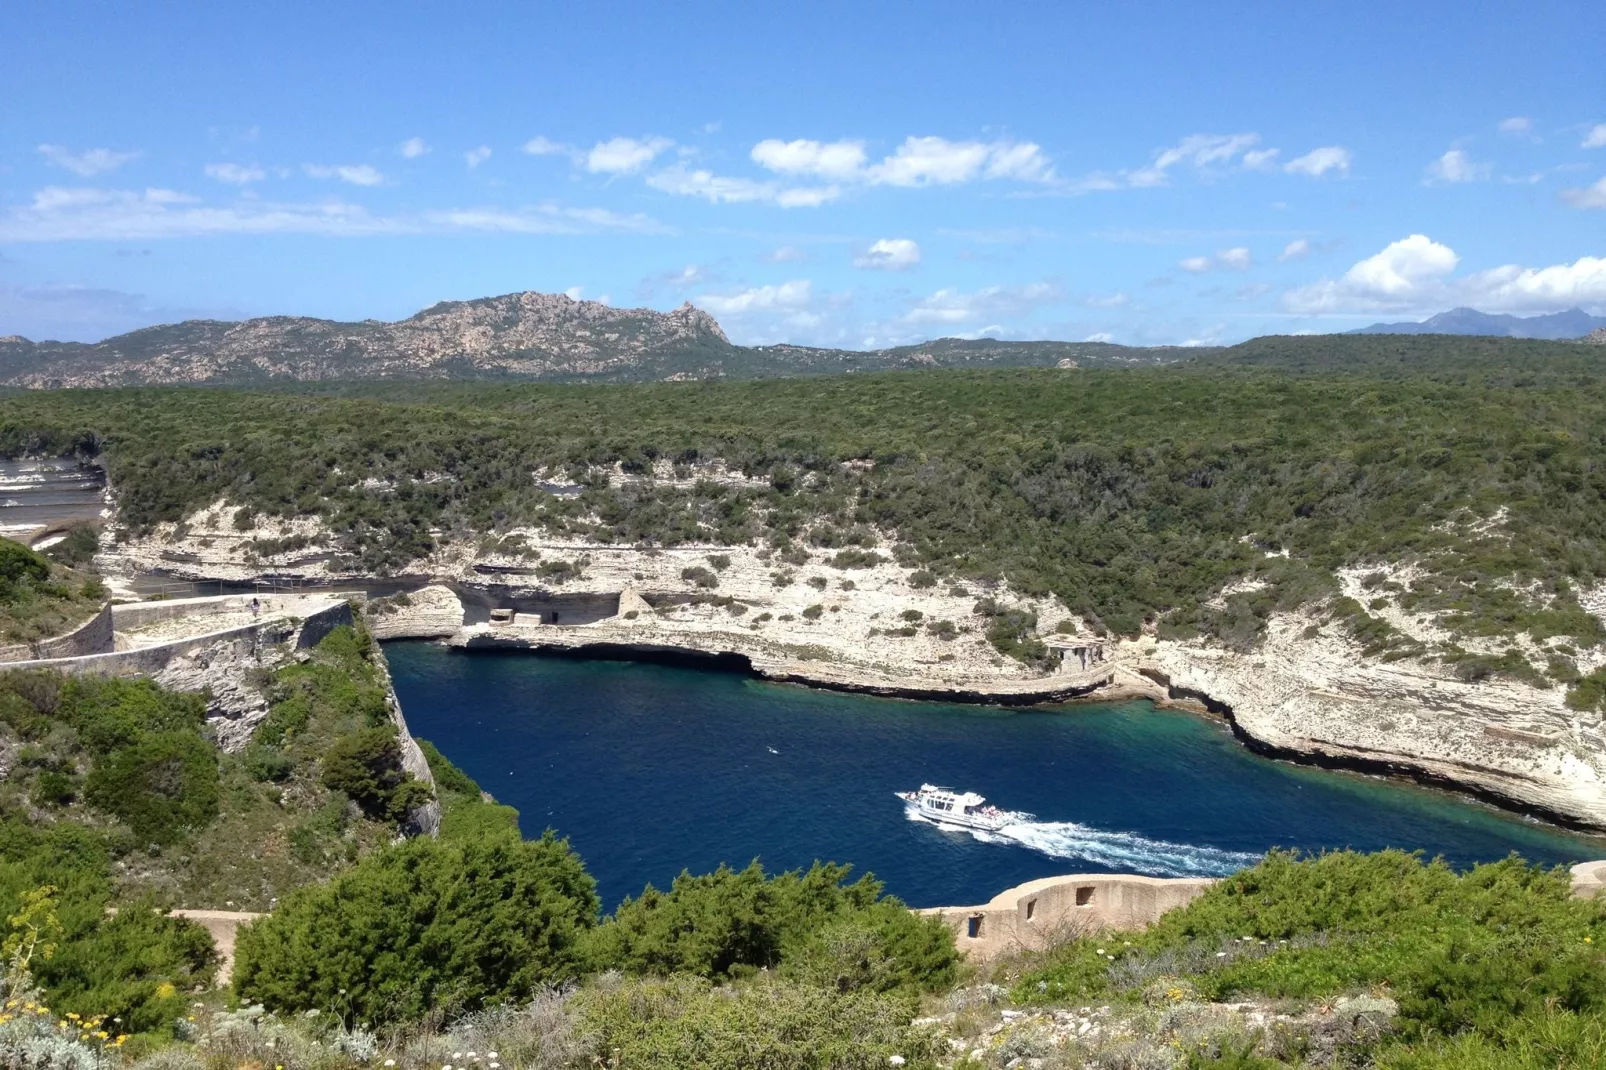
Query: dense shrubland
(1494, 967)
(1131, 494)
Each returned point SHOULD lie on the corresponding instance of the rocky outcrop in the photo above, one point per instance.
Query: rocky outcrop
(432, 612)
(1307, 693)
(530, 334)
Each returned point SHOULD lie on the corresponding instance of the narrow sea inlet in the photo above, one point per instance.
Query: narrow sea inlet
(650, 769)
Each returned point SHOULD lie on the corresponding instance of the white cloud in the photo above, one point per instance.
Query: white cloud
(1102, 336)
(1298, 249)
(1590, 197)
(87, 163)
(932, 161)
(1403, 266)
(718, 189)
(1238, 259)
(689, 275)
(1517, 126)
(991, 303)
(88, 214)
(1198, 265)
(1022, 161)
(356, 174)
(413, 148)
(1317, 162)
(786, 254)
(541, 219)
(1261, 159)
(788, 296)
(1415, 275)
(1515, 288)
(1115, 300)
(540, 146)
(889, 254)
(475, 157)
(623, 155)
(235, 174)
(1596, 138)
(573, 293)
(835, 160)
(1196, 150)
(1457, 166)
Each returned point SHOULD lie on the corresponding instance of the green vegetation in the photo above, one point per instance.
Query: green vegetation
(466, 813)
(427, 926)
(39, 599)
(1484, 966)
(1132, 494)
(125, 750)
(731, 922)
(134, 966)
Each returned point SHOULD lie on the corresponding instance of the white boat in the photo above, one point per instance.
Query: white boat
(963, 808)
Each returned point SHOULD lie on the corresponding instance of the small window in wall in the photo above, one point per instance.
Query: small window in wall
(1084, 896)
(1031, 908)
(973, 927)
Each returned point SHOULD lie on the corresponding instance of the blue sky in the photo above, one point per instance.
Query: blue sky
(856, 174)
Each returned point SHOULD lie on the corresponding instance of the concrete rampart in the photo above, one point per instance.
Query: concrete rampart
(1041, 913)
(323, 615)
(132, 616)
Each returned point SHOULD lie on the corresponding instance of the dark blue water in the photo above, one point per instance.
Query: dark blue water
(649, 770)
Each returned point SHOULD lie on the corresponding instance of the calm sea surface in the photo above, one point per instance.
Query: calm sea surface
(649, 770)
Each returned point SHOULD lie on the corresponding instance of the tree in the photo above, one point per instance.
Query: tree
(424, 926)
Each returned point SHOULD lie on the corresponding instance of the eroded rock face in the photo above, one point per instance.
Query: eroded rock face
(230, 672)
(1306, 690)
(432, 612)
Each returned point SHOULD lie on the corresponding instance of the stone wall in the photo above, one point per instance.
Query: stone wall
(1041, 913)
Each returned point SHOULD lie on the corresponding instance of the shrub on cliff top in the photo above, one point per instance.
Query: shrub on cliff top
(732, 922)
(423, 927)
(1479, 952)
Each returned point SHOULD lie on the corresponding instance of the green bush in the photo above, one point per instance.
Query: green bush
(367, 766)
(163, 787)
(19, 565)
(1487, 953)
(425, 927)
(700, 576)
(729, 922)
(137, 965)
(684, 1022)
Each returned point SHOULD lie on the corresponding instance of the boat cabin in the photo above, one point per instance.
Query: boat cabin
(945, 802)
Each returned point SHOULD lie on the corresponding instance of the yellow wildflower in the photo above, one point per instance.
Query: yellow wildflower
(165, 990)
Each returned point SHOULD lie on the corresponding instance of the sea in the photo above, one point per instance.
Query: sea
(650, 770)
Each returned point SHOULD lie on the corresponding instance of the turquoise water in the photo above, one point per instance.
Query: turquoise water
(650, 769)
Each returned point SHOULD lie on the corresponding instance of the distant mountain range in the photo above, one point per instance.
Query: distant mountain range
(521, 335)
(551, 337)
(1574, 323)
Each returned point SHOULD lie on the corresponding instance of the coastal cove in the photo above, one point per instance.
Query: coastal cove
(650, 769)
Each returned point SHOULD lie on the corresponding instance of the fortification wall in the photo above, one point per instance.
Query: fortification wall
(1041, 913)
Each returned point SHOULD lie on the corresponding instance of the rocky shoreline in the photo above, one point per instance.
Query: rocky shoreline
(1306, 693)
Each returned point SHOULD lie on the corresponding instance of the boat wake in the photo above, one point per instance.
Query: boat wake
(1124, 852)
